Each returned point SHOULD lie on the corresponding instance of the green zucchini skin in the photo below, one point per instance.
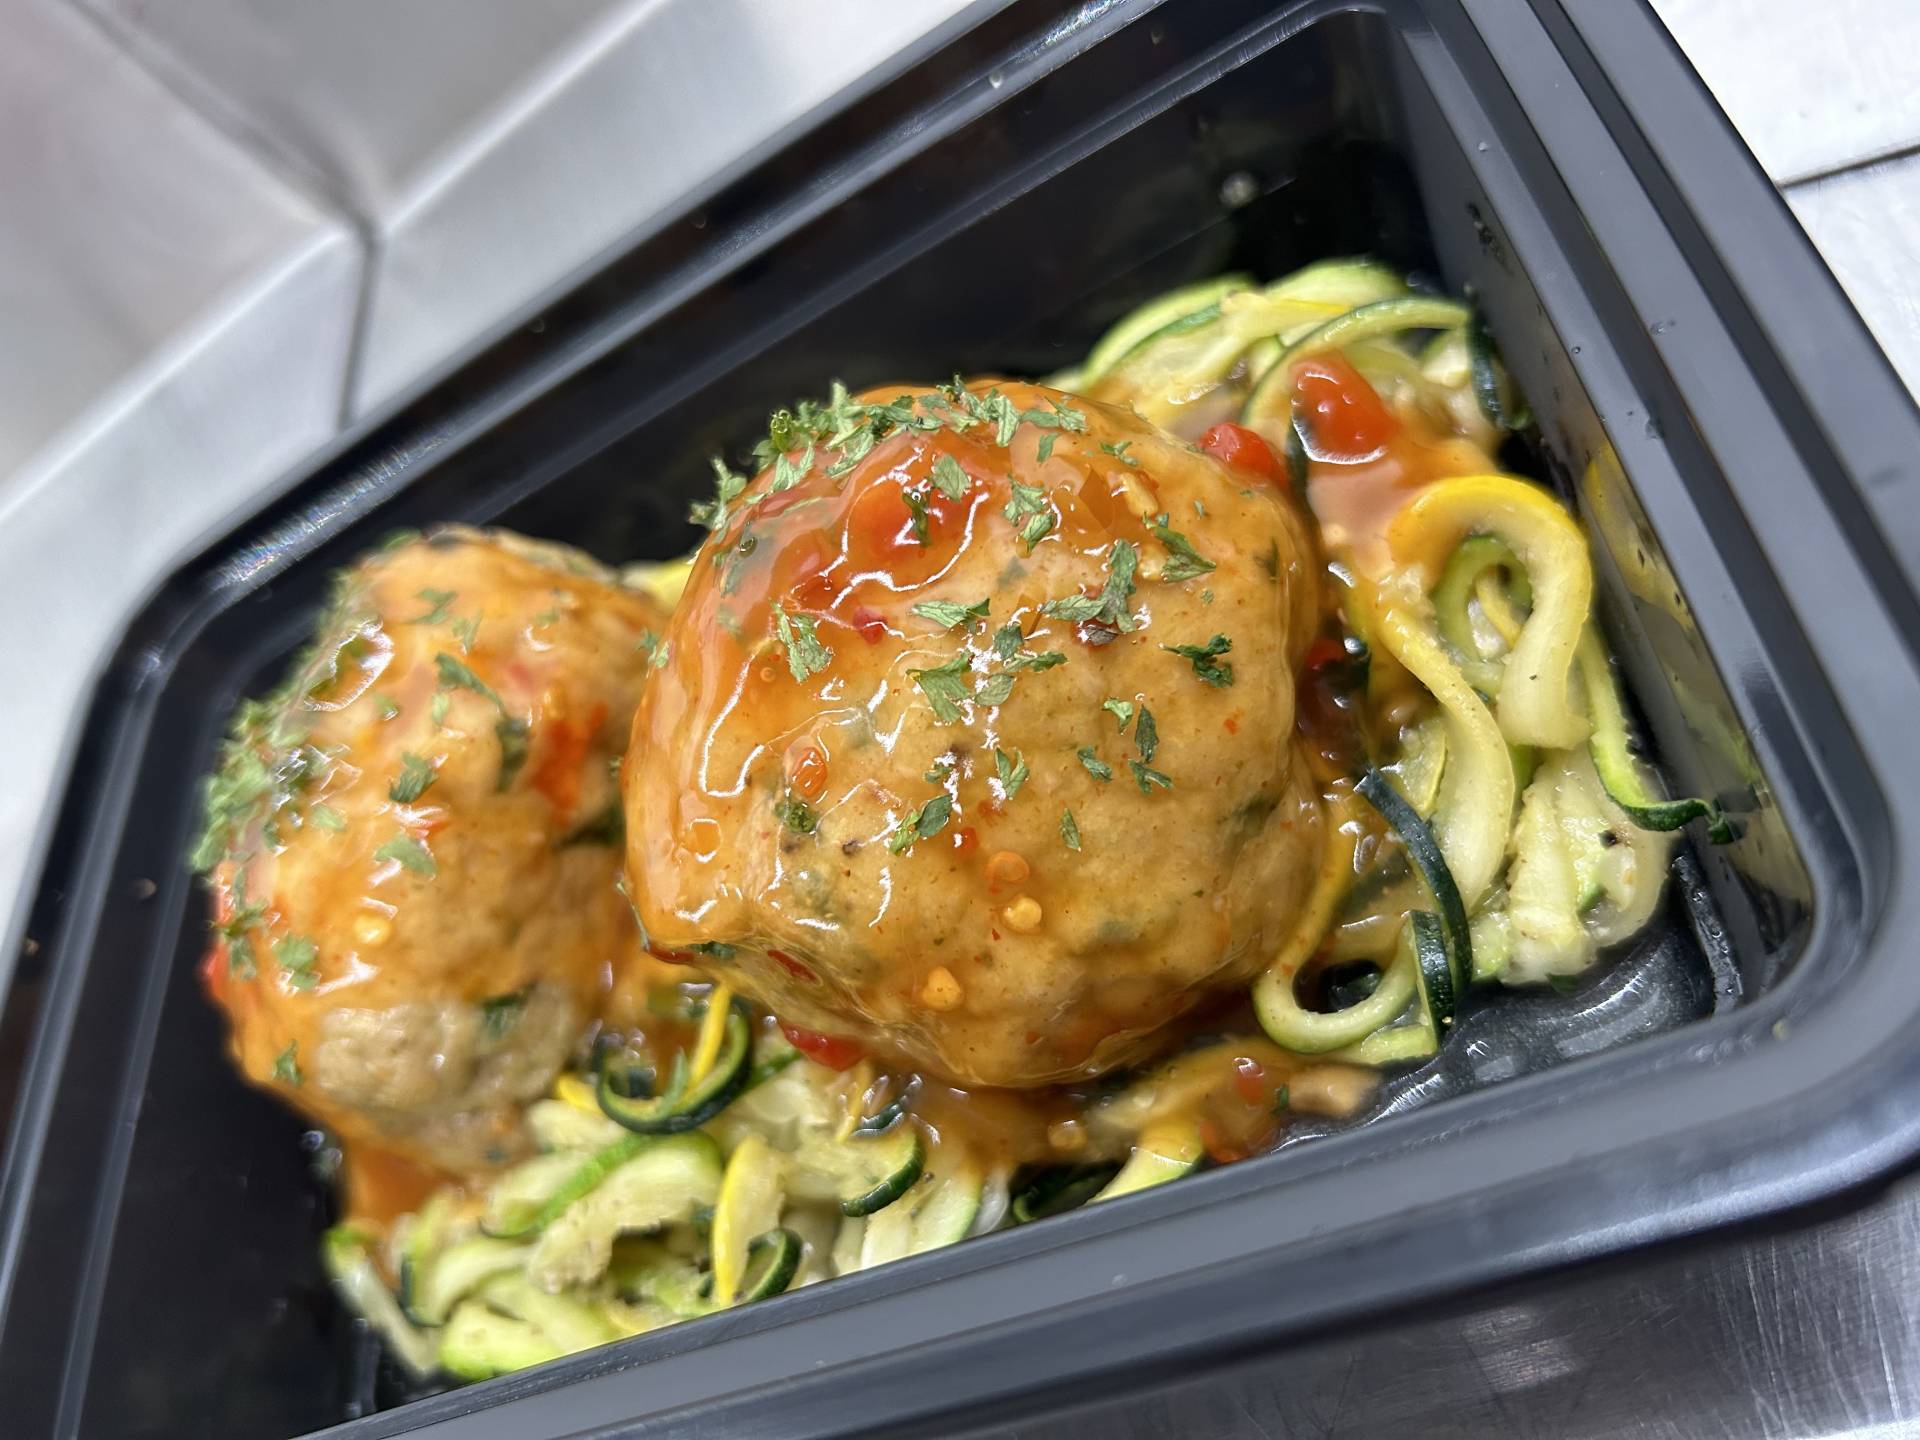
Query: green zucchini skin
(1188, 306)
(907, 1159)
(683, 1107)
(772, 1261)
(1424, 851)
(1613, 761)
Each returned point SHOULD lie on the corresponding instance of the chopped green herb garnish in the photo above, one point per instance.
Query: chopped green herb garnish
(1119, 452)
(1121, 710)
(806, 656)
(1028, 509)
(410, 853)
(1012, 769)
(718, 949)
(240, 963)
(327, 818)
(953, 481)
(512, 735)
(921, 823)
(995, 689)
(286, 1065)
(1069, 830)
(265, 762)
(1096, 767)
(297, 955)
(949, 613)
(385, 707)
(654, 648)
(546, 618)
(1282, 1099)
(439, 600)
(455, 675)
(464, 630)
(437, 708)
(941, 769)
(1146, 734)
(1109, 607)
(917, 513)
(1043, 452)
(1183, 561)
(1007, 640)
(944, 687)
(1146, 778)
(1206, 662)
(1030, 660)
(416, 774)
(727, 485)
(498, 1013)
(796, 815)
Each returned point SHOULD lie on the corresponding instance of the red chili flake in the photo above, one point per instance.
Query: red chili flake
(871, 624)
(833, 1051)
(793, 967)
(965, 839)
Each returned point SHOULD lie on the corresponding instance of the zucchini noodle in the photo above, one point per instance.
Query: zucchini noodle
(1535, 705)
(1307, 1032)
(1476, 788)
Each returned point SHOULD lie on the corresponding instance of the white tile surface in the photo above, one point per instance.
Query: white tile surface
(122, 217)
(1866, 224)
(613, 133)
(363, 95)
(1812, 84)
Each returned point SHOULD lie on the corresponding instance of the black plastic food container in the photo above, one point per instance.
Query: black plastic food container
(993, 208)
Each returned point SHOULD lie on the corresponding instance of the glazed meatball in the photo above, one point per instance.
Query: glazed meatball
(414, 844)
(974, 746)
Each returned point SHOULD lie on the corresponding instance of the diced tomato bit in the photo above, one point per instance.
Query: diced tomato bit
(1243, 449)
(871, 624)
(833, 1051)
(1232, 724)
(793, 967)
(1249, 1077)
(1345, 416)
(672, 957)
(809, 777)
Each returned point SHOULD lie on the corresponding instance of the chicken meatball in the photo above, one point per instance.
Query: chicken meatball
(974, 747)
(413, 844)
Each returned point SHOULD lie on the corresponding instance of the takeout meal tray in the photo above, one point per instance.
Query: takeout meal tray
(1738, 448)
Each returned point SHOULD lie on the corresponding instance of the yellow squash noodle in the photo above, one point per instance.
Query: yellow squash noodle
(1476, 788)
(1535, 707)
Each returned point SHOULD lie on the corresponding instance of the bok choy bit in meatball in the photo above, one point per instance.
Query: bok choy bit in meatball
(413, 844)
(974, 747)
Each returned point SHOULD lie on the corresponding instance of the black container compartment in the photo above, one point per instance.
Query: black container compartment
(993, 209)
